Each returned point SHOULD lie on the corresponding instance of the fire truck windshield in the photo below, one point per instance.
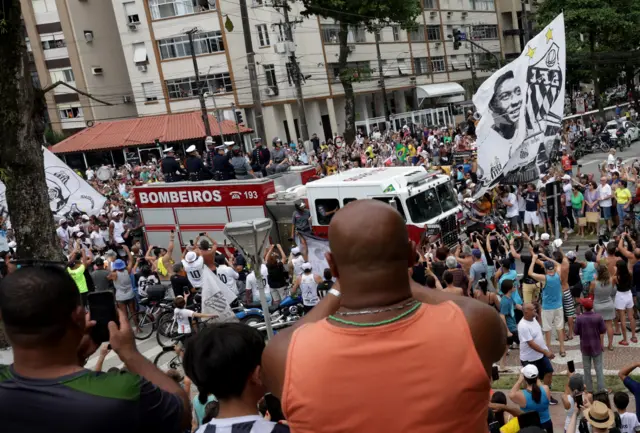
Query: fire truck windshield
(431, 203)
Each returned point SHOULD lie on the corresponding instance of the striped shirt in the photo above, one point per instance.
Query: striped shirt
(243, 424)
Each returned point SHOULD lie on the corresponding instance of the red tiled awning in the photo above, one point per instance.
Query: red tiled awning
(143, 131)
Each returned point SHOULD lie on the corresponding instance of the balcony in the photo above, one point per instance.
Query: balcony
(512, 32)
(162, 9)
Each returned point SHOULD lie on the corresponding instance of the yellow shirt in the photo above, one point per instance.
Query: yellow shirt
(623, 195)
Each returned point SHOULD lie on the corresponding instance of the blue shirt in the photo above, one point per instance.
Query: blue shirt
(507, 306)
(588, 273)
(542, 408)
(552, 293)
(511, 275)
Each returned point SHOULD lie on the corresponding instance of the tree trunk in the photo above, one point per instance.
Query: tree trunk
(347, 85)
(596, 79)
(21, 132)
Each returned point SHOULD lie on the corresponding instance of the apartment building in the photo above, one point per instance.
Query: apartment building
(74, 41)
(511, 14)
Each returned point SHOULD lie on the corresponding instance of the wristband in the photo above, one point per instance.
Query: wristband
(335, 293)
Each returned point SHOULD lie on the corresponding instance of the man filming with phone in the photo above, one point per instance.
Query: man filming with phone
(47, 386)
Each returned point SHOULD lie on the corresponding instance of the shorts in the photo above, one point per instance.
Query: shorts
(624, 300)
(553, 319)
(606, 212)
(576, 290)
(543, 365)
(568, 304)
(515, 338)
(514, 221)
(530, 292)
(531, 218)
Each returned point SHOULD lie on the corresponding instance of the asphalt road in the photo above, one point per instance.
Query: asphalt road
(590, 162)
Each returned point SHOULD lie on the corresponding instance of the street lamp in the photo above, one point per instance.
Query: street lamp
(249, 237)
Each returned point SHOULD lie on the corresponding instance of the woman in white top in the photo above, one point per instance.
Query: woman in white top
(308, 282)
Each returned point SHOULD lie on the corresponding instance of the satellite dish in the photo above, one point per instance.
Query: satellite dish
(104, 174)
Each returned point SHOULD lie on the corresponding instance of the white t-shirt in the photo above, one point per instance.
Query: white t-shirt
(605, 191)
(105, 234)
(118, 231)
(297, 264)
(566, 187)
(309, 289)
(97, 240)
(629, 422)
(530, 331)
(522, 203)
(569, 414)
(182, 316)
(252, 284)
(228, 276)
(611, 160)
(90, 174)
(513, 210)
(63, 234)
(194, 271)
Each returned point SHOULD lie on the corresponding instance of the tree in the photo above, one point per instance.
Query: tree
(353, 14)
(21, 128)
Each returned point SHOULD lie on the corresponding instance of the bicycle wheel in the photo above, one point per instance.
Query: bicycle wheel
(604, 146)
(169, 359)
(167, 330)
(142, 325)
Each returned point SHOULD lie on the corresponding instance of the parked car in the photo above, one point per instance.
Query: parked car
(632, 131)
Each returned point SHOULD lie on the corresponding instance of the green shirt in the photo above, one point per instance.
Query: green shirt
(576, 200)
(78, 277)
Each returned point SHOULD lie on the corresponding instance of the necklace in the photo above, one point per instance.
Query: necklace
(380, 323)
(380, 310)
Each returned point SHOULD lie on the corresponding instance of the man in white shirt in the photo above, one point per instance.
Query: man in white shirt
(97, 240)
(566, 187)
(611, 159)
(227, 274)
(511, 202)
(252, 285)
(90, 174)
(604, 191)
(533, 349)
(63, 233)
(193, 264)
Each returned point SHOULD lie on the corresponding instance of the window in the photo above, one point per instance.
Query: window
(280, 34)
(429, 4)
(175, 8)
(346, 201)
(437, 64)
(484, 32)
(149, 92)
(433, 33)
(361, 69)
(52, 44)
(270, 74)
(290, 73)
(263, 35)
(417, 34)
(140, 54)
(64, 75)
(71, 113)
(396, 33)
(482, 5)
(188, 87)
(203, 43)
(43, 6)
(326, 208)
(131, 12)
(394, 202)
(357, 35)
(421, 65)
(431, 203)
(330, 33)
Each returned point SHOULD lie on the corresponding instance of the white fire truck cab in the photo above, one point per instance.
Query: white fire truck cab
(427, 201)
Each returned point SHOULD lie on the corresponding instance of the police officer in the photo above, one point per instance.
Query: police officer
(260, 157)
(210, 153)
(170, 167)
(241, 166)
(222, 169)
(194, 164)
(278, 162)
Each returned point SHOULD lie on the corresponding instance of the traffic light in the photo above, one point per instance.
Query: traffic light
(456, 39)
(239, 117)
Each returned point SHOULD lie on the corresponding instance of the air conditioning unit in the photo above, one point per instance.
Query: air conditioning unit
(272, 91)
(132, 26)
(433, 14)
(437, 44)
(464, 14)
(127, 99)
(96, 70)
(142, 68)
(449, 14)
(280, 48)
(88, 36)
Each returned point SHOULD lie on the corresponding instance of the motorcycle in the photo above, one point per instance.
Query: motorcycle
(495, 223)
(622, 139)
(287, 312)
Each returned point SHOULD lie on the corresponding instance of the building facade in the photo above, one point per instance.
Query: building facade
(74, 41)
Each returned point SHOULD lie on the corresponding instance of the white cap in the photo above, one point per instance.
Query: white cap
(103, 212)
(229, 143)
(468, 200)
(191, 257)
(168, 150)
(115, 213)
(545, 236)
(557, 243)
(566, 177)
(295, 251)
(12, 244)
(306, 266)
(79, 233)
(208, 140)
(63, 220)
(529, 371)
(191, 148)
(85, 217)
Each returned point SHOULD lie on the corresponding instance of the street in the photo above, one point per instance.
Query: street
(590, 162)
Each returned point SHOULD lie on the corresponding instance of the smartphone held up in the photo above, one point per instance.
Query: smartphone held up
(102, 309)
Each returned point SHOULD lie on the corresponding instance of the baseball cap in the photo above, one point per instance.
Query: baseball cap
(549, 265)
(587, 303)
(306, 266)
(557, 243)
(576, 381)
(85, 217)
(191, 257)
(115, 213)
(118, 265)
(529, 371)
(476, 253)
(62, 221)
(295, 251)
(571, 255)
(79, 234)
(566, 177)
(545, 236)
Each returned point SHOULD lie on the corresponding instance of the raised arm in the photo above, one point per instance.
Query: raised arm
(537, 277)
(169, 254)
(625, 252)
(282, 254)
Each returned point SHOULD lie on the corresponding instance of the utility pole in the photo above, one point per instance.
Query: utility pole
(473, 63)
(525, 23)
(215, 107)
(387, 110)
(297, 75)
(203, 105)
(251, 66)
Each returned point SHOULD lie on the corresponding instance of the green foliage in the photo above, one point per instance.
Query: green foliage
(366, 14)
(53, 137)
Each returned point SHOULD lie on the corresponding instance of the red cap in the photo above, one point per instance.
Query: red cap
(587, 303)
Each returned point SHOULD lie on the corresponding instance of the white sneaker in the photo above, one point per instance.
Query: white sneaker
(569, 231)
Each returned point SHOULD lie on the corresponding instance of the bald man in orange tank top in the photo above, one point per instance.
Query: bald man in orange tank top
(384, 354)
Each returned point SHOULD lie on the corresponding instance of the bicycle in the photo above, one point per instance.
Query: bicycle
(145, 322)
(169, 359)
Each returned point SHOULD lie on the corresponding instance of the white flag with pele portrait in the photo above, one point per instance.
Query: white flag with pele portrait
(521, 108)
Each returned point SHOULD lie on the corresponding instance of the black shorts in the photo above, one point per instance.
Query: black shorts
(576, 291)
(543, 365)
(514, 338)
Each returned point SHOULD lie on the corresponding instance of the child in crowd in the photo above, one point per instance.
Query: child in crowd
(629, 421)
